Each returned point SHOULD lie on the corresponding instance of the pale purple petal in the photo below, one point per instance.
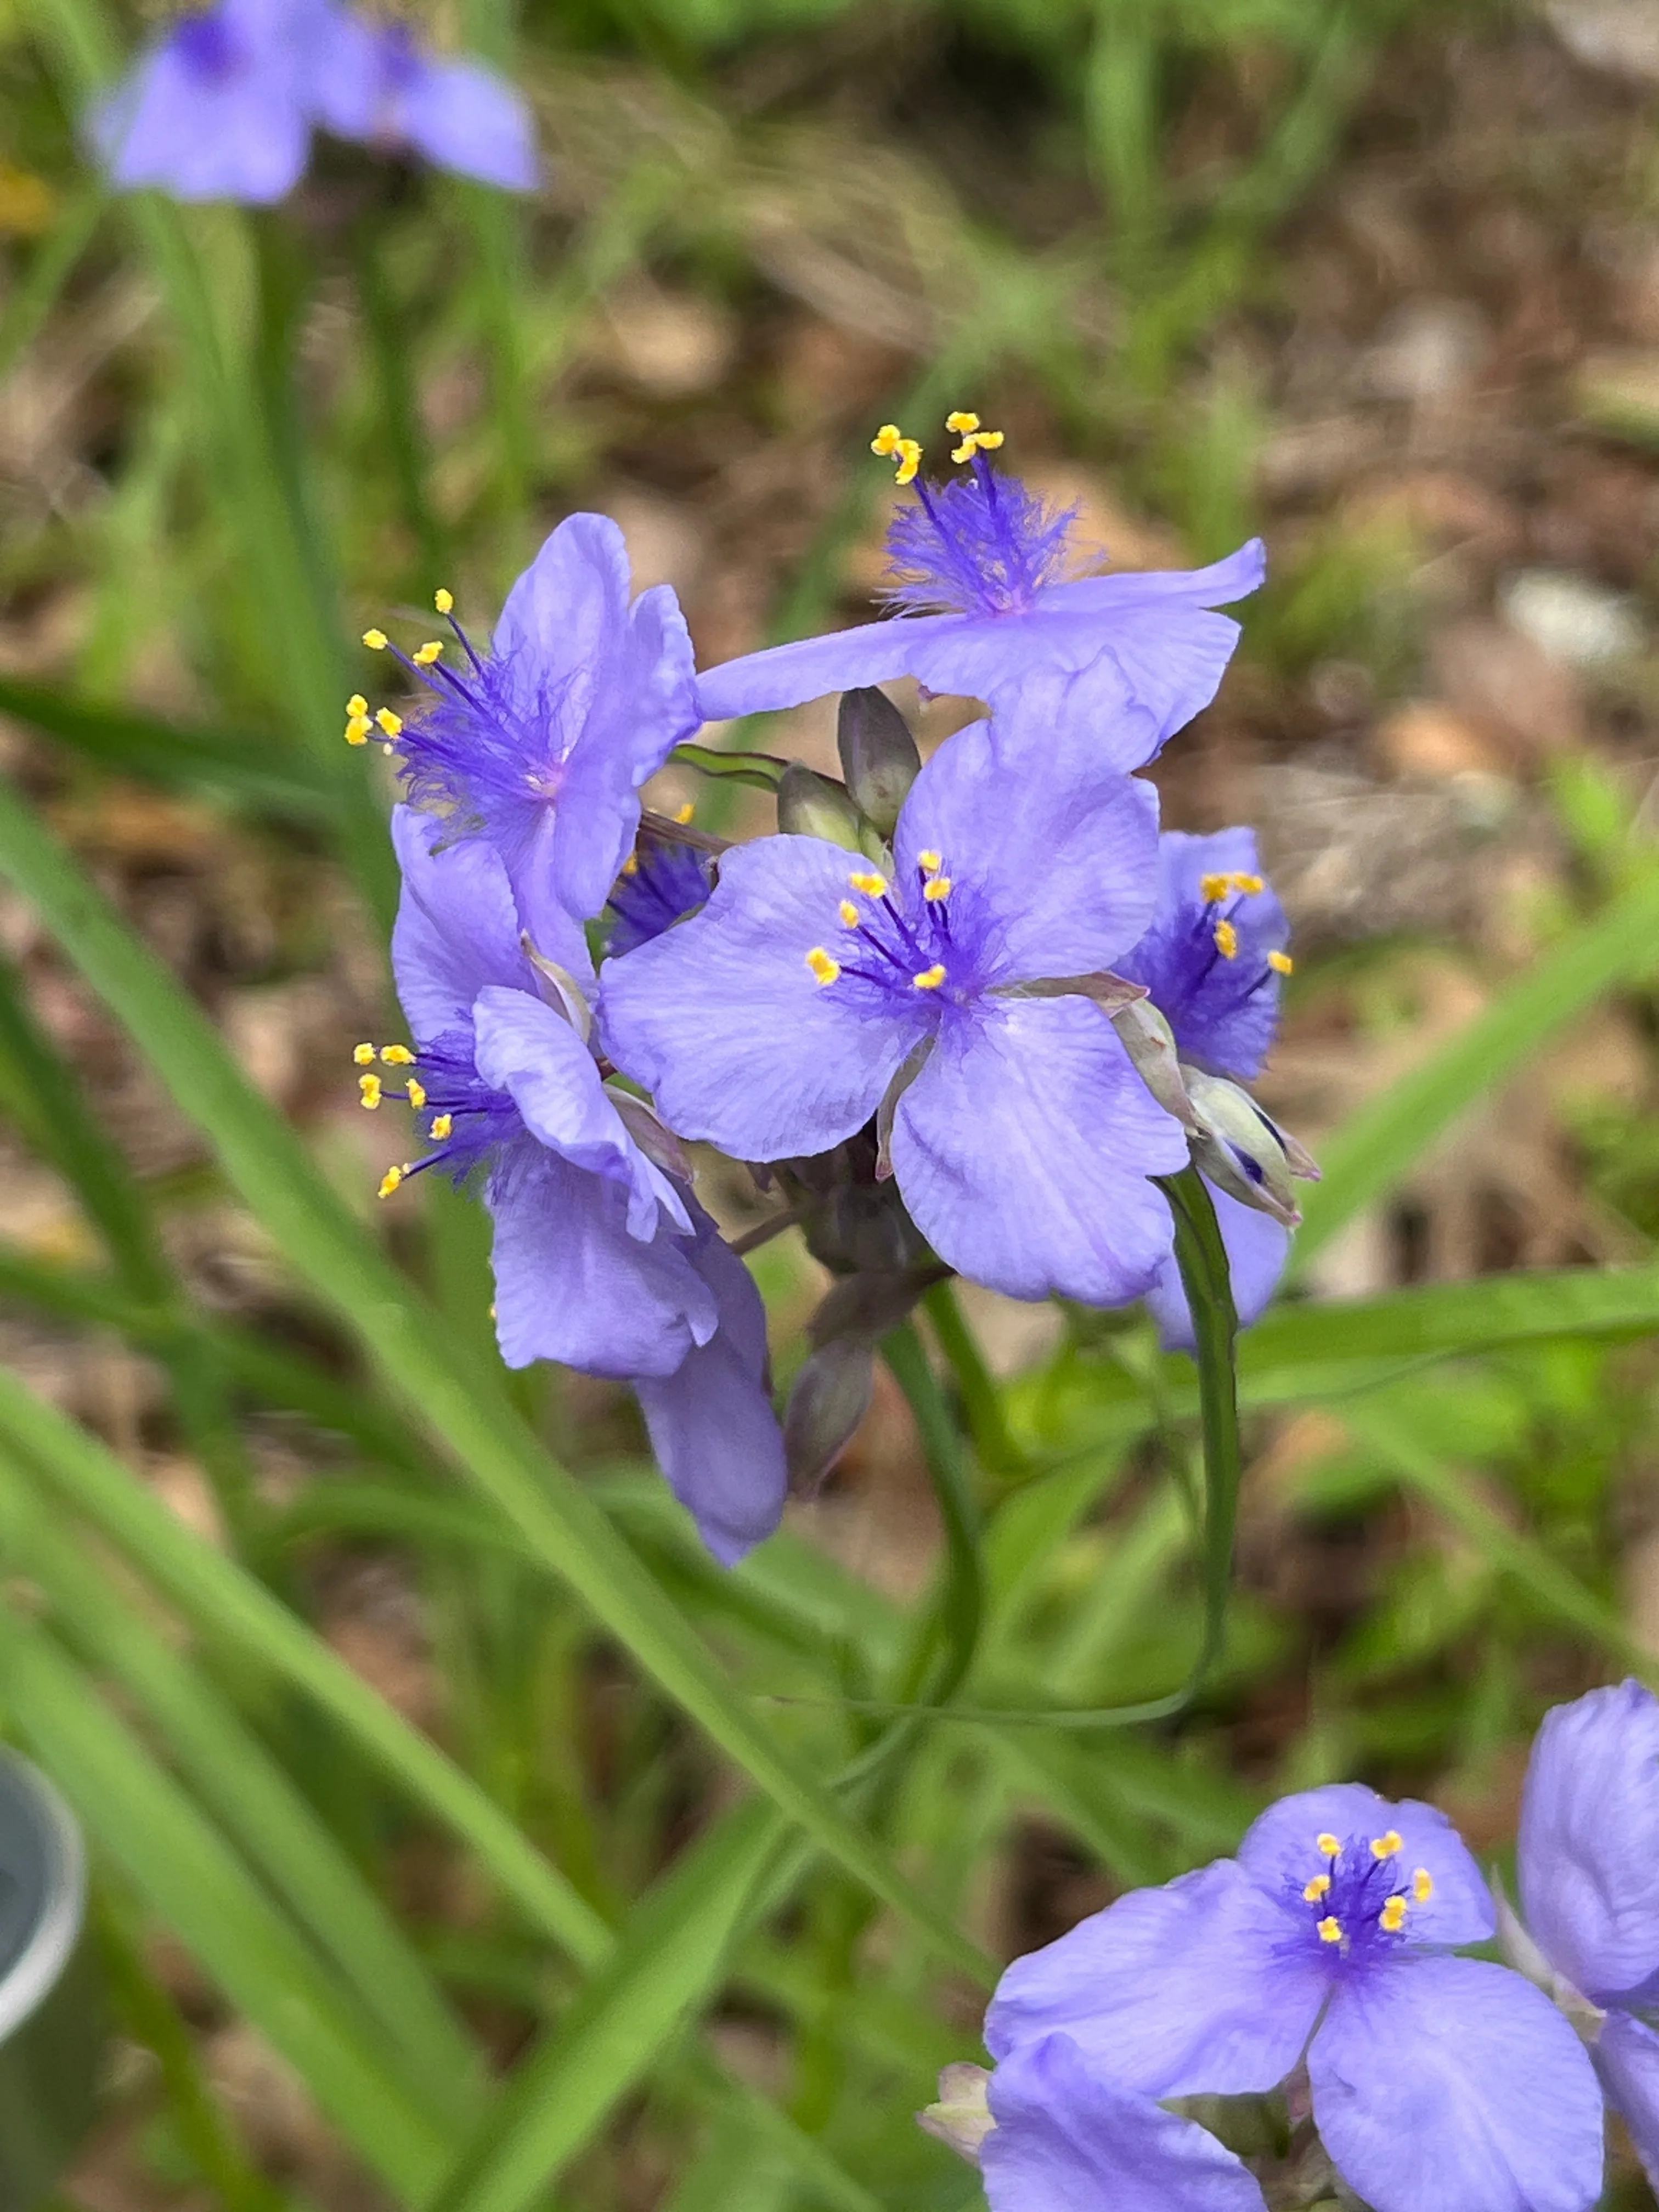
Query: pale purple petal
(1626, 2056)
(456, 928)
(1257, 1249)
(1588, 1853)
(1068, 2138)
(237, 130)
(526, 1049)
(347, 73)
(1281, 1852)
(724, 1022)
(1176, 1991)
(1054, 872)
(467, 118)
(711, 1422)
(1449, 2085)
(571, 1285)
(564, 608)
(1023, 1147)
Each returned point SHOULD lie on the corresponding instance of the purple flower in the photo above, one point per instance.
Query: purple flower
(1587, 1859)
(659, 885)
(541, 744)
(1439, 2084)
(1067, 2135)
(814, 989)
(980, 609)
(374, 84)
(602, 1258)
(216, 109)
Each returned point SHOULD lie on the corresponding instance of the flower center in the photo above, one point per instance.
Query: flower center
(882, 945)
(1359, 1898)
(981, 544)
(465, 1119)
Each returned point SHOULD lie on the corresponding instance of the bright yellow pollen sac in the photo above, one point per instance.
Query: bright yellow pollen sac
(390, 1181)
(962, 422)
(937, 888)
(1392, 1918)
(869, 883)
(1248, 884)
(849, 913)
(417, 1093)
(930, 859)
(1212, 888)
(1328, 1845)
(357, 729)
(1318, 1888)
(391, 724)
(910, 462)
(1389, 1846)
(1281, 964)
(424, 655)
(822, 966)
(1226, 940)
(443, 600)
(1422, 1884)
(930, 978)
(1330, 1930)
(356, 704)
(683, 814)
(441, 1125)
(370, 1090)
(363, 1055)
(887, 441)
(890, 444)
(397, 1055)
(375, 639)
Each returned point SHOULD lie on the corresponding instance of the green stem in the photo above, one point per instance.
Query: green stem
(962, 1602)
(390, 347)
(982, 1401)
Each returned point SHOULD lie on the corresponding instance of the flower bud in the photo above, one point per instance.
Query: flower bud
(962, 2118)
(878, 755)
(831, 1396)
(1240, 1149)
(812, 805)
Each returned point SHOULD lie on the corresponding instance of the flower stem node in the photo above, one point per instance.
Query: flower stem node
(878, 755)
(1241, 1151)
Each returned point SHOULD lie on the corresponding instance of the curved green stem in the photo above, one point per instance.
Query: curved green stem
(961, 1606)
(982, 1401)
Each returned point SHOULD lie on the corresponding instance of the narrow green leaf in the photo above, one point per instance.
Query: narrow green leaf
(760, 771)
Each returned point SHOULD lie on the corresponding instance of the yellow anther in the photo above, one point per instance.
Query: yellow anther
(441, 1125)
(910, 462)
(424, 655)
(390, 1181)
(443, 600)
(930, 978)
(821, 965)
(1248, 884)
(1226, 940)
(977, 441)
(1389, 1846)
(1392, 1918)
(683, 814)
(1330, 1930)
(375, 639)
(363, 1055)
(397, 1055)
(1328, 1845)
(869, 883)
(1422, 1884)
(630, 866)
(890, 444)
(931, 860)
(356, 704)
(392, 725)
(357, 729)
(417, 1093)
(849, 913)
(962, 422)
(370, 1090)
(1212, 888)
(1318, 1888)
(1281, 964)
(937, 888)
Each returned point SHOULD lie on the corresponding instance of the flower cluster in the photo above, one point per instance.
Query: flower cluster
(1318, 1970)
(221, 107)
(958, 1015)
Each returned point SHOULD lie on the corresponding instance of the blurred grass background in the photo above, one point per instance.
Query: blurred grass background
(395, 1782)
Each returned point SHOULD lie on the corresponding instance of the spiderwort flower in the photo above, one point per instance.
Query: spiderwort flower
(1588, 1860)
(602, 1258)
(979, 607)
(217, 108)
(1054, 2133)
(373, 82)
(1439, 2084)
(541, 744)
(816, 988)
(659, 884)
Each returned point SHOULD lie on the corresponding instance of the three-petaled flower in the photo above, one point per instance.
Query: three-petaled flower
(1439, 2084)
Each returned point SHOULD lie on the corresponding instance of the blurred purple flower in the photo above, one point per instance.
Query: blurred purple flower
(1212, 961)
(1439, 2084)
(217, 108)
(812, 993)
(602, 1258)
(373, 82)
(1067, 2135)
(541, 744)
(666, 883)
(1588, 1861)
(980, 610)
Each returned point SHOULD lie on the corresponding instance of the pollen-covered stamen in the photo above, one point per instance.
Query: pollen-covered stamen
(1422, 1884)
(1392, 1918)
(1360, 1904)
(363, 1055)
(965, 426)
(1388, 1846)
(1330, 1930)
(368, 1091)
(825, 968)
(1318, 1887)
(930, 978)
(1329, 1845)
(980, 545)
(1226, 940)
(890, 444)
(1281, 964)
